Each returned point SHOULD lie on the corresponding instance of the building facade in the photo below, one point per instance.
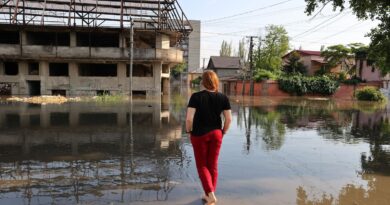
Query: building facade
(191, 48)
(312, 60)
(225, 66)
(89, 57)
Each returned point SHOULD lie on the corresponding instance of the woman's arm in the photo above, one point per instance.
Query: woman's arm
(190, 118)
(228, 119)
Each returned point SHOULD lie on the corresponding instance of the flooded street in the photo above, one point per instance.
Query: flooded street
(278, 151)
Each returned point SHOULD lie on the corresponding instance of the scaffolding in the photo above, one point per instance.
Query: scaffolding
(158, 15)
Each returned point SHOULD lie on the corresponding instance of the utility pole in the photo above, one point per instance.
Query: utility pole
(131, 55)
(251, 64)
(131, 44)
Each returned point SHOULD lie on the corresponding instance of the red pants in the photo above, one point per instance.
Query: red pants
(206, 151)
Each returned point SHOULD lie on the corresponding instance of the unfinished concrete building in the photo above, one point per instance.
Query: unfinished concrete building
(72, 48)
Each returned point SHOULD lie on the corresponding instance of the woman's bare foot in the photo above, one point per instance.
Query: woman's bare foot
(211, 199)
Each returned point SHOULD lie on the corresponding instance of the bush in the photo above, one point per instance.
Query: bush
(264, 75)
(370, 93)
(196, 81)
(353, 81)
(301, 85)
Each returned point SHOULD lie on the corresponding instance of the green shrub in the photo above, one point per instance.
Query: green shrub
(264, 75)
(293, 84)
(353, 81)
(301, 85)
(369, 93)
(196, 81)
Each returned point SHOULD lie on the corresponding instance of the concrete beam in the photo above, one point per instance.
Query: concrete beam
(162, 41)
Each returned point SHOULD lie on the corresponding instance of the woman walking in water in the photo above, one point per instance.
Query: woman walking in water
(204, 123)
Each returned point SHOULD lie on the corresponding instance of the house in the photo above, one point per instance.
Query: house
(312, 60)
(366, 70)
(225, 66)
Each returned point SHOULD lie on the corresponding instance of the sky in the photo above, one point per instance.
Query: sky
(232, 20)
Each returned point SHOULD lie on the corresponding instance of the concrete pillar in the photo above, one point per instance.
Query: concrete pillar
(157, 112)
(75, 146)
(1, 68)
(122, 79)
(162, 41)
(73, 78)
(24, 120)
(26, 144)
(122, 40)
(44, 74)
(121, 117)
(157, 71)
(73, 39)
(23, 73)
(23, 35)
(45, 117)
(2, 120)
(166, 86)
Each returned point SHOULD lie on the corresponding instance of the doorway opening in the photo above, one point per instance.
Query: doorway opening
(34, 88)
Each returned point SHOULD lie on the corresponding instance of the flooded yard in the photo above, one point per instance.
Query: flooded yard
(279, 151)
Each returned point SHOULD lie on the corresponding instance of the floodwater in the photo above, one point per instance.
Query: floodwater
(279, 151)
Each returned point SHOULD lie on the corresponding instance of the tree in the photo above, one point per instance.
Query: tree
(179, 68)
(342, 55)
(379, 49)
(268, 55)
(226, 49)
(242, 51)
(337, 55)
(294, 64)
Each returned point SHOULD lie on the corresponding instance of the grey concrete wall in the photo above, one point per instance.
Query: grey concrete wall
(194, 46)
(76, 85)
(162, 41)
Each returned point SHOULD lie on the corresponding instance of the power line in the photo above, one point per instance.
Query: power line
(261, 14)
(247, 12)
(316, 26)
(322, 26)
(335, 34)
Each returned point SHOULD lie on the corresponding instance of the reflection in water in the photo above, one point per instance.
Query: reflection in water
(376, 192)
(82, 152)
(333, 123)
(291, 151)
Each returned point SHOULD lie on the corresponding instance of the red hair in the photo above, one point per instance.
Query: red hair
(210, 80)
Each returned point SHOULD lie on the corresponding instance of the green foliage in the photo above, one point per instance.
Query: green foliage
(300, 85)
(379, 50)
(265, 75)
(294, 64)
(378, 10)
(268, 55)
(196, 81)
(370, 93)
(336, 54)
(353, 81)
(179, 68)
(226, 49)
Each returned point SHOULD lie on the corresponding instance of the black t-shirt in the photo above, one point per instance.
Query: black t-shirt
(209, 106)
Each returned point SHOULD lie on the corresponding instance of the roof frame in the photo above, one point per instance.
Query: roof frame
(159, 15)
